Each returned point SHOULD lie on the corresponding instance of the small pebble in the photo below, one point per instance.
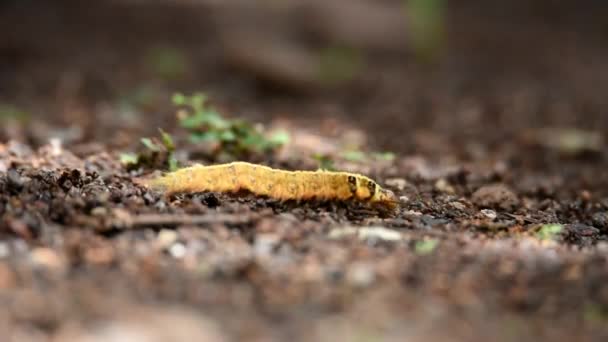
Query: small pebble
(14, 180)
(496, 196)
(265, 243)
(99, 211)
(364, 233)
(600, 220)
(442, 185)
(397, 183)
(489, 213)
(178, 250)
(47, 258)
(360, 275)
(4, 250)
(166, 238)
(458, 206)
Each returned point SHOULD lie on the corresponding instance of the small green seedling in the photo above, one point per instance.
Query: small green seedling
(157, 151)
(233, 136)
(324, 162)
(426, 246)
(549, 231)
(354, 155)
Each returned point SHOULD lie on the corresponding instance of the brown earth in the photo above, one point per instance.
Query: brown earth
(500, 164)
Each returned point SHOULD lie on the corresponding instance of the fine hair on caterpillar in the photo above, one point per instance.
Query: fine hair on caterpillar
(278, 184)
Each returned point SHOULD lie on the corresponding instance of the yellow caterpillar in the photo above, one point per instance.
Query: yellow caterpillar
(279, 184)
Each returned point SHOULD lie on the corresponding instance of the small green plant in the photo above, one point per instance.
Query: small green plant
(387, 156)
(324, 162)
(158, 152)
(354, 155)
(549, 231)
(361, 156)
(426, 246)
(233, 136)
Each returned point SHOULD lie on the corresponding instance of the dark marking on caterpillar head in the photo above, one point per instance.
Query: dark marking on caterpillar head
(371, 187)
(352, 185)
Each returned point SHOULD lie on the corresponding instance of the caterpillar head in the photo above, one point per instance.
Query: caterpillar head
(369, 191)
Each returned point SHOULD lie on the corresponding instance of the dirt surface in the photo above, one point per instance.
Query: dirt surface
(500, 163)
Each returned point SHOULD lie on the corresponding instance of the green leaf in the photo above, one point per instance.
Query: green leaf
(279, 138)
(354, 155)
(128, 158)
(388, 156)
(178, 99)
(192, 122)
(167, 140)
(214, 120)
(204, 137)
(173, 163)
(197, 101)
(427, 246)
(150, 144)
(226, 136)
(324, 161)
(549, 231)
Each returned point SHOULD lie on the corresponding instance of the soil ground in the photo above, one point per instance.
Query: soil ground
(500, 163)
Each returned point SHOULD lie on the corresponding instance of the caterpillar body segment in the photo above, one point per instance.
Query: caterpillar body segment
(279, 184)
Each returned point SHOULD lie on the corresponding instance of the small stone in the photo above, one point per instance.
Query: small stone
(99, 211)
(442, 185)
(602, 247)
(380, 233)
(47, 258)
(102, 254)
(365, 233)
(14, 180)
(600, 220)
(360, 275)
(497, 196)
(397, 183)
(4, 250)
(585, 195)
(404, 199)
(265, 243)
(178, 250)
(165, 238)
(489, 213)
(458, 206)
(581, 233)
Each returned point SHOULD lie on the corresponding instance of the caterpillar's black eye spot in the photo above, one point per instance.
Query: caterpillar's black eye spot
(371, 187)
(352, 184)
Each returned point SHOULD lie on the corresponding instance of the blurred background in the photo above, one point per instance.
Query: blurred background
(488, 118)
(417, 75)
